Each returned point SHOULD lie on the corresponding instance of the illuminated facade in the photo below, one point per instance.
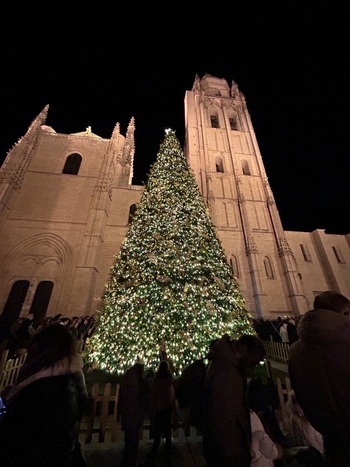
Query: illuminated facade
(66, 200)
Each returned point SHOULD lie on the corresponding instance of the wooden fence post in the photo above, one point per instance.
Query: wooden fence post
(98, 413)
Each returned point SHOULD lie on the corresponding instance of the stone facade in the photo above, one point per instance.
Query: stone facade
(65, 202)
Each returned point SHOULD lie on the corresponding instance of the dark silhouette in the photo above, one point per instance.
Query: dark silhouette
(44, 407)
(319, 369)
(227, 429)
(133, 407)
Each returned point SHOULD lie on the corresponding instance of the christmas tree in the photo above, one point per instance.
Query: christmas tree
(170, 281)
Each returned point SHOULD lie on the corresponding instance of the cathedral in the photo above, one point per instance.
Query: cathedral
(66, 203)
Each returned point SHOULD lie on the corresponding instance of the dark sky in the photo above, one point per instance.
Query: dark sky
(99, 63)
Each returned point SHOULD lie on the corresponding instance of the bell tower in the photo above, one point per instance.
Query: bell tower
(223, 152)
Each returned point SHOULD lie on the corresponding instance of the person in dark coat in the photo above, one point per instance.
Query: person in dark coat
(45, 406)
(227, 429)
(162, 405)
(319, 369)
(134, 398)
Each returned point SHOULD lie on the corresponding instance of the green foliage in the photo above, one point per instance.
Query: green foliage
(170, 281)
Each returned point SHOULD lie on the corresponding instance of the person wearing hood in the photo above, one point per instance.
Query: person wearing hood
(319, 369)
(227, 427)
(45, 406)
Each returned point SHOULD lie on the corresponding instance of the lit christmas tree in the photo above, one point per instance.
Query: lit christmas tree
(170, 281)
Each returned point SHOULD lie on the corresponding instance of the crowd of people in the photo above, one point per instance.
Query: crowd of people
(238, 425)
(15, 335)
(279, 330)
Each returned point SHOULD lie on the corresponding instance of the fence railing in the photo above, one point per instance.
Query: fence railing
(278, 351)
(9, 369)
(102, 414)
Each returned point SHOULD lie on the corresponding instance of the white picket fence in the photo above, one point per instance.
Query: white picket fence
(9, 369)
(278, 351)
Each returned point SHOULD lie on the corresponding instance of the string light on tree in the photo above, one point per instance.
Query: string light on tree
(170, 280)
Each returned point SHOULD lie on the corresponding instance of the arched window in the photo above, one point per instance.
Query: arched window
(41, 300)
(233, 123)
(15, 299)
(132, 211)
(305, 252)
(338, 254)
(72, 164)
(268, 267)
(245, 168)
(234, 265)
(214, 120)
(219, 165)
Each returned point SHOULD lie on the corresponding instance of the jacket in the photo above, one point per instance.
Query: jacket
(227, 430)
(319, 368)
(134, 399)
(39, 427)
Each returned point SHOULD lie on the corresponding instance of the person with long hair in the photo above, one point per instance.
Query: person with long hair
(44, 407)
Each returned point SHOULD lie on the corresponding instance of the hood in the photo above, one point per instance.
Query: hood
(324, 327)
(66, 366)
(222, 349)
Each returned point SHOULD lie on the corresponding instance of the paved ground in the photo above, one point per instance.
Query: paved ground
(186, 452)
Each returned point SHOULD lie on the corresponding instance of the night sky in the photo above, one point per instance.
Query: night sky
(99, 63)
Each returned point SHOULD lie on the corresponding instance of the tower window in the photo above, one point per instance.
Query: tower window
(245, 168)
(338, 254)
(214, 121)
(268, 268)
(132, 211)
(305, 252)
(234, 266)
(219, 165)
(233, 123)
(72, 164)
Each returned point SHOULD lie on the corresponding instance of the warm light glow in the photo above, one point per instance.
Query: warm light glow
(170, 280)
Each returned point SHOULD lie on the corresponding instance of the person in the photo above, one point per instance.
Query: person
(335, 301)
(319, 370)
(292, 330)
(259, 401)
(283, 330)
(162, 404)
(134, 397)
(227, 428)
(264, 450)
(45, 406)
(190, 389)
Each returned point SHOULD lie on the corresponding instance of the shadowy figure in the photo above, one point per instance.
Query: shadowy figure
(319, 370)
(162, 404)
(133, 407)
(257, 401)
(227, 427)
(190, 389)
(45, 406)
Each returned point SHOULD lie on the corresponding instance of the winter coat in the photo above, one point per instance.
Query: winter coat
(134, 399)
(227, 430)
(319, 368)
(264, 451)
(284, 332)
(39, 427)
(162, 394)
